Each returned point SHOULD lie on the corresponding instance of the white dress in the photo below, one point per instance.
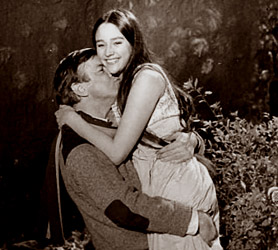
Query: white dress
(188, 182)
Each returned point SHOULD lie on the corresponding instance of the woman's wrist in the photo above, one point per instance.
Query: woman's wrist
(72, 119)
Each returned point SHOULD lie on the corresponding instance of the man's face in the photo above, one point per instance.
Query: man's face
(101, 84)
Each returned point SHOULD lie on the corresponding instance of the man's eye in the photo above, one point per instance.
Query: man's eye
(100, 68)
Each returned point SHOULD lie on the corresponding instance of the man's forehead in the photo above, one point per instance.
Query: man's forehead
(91, 63)
(90, 66)
(95, 60)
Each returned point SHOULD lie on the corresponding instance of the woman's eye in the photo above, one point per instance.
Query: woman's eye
(118, 42)
(99, 45)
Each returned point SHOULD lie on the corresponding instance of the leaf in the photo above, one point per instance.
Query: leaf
(254, 233)
(266, 222)
(243, 185)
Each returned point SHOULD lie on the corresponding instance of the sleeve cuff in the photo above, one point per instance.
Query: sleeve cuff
(194, 223)
(200, 147)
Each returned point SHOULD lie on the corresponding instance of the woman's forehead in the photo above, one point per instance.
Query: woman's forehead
(108, 31)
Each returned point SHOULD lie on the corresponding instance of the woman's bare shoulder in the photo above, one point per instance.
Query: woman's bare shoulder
(149, 75)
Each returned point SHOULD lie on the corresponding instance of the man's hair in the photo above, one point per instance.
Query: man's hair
(66, 74)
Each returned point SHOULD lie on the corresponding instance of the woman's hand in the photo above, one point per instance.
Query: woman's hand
(180, 150)
(65, 115)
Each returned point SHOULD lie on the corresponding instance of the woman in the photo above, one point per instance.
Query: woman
(148, 103)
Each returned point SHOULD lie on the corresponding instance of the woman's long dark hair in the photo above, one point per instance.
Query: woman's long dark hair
(128, 25)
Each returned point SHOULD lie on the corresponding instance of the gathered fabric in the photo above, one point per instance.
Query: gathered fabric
(188, 182)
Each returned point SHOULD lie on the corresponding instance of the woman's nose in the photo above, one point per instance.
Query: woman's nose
(109, 50)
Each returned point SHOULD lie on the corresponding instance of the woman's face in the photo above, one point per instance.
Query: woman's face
(113, 48)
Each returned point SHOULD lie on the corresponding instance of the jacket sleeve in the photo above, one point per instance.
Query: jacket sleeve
(100, 182)
(48, 210)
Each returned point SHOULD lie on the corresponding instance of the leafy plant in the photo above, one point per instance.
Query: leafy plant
(245, 156)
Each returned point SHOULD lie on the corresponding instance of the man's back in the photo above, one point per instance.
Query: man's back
(109, 197)
(89, 177)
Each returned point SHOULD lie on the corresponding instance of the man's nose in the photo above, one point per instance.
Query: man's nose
(107, 71)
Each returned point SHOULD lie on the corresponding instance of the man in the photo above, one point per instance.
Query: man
(117, 214)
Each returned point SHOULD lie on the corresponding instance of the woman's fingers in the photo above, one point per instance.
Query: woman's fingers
(61, 114)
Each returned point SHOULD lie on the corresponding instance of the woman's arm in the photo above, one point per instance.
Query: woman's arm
(146, 90)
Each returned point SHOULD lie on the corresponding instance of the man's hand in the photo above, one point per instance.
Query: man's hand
(180, 150)
(207, 229)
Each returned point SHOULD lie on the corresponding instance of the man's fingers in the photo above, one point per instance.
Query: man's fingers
(175, 157)
(175, 153)
(172, 146)
(169, 153)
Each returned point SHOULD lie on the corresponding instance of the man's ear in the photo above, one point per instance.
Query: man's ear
(80, 88)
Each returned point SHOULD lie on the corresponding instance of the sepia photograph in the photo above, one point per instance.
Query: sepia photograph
(139, 125)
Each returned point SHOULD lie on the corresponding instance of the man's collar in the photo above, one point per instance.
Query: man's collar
(96, 121)
(71, 139)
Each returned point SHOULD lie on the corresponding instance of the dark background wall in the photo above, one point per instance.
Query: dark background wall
(213, 40)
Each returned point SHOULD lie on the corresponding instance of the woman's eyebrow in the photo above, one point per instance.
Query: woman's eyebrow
(113, 39)
(117, 38)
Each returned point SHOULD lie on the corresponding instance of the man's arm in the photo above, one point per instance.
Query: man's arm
(101, 183)
(182, 148)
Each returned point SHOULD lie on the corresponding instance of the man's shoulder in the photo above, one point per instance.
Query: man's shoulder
(87, 156)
